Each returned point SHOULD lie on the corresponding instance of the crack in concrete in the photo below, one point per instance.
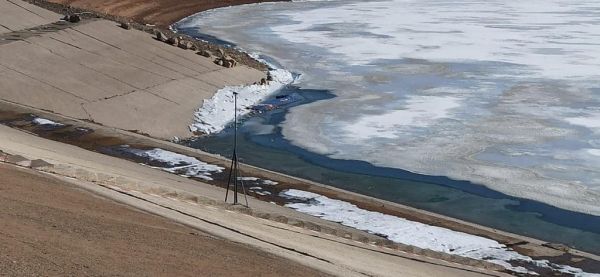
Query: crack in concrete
(100, 55)
(133, 54)
(44, 82)
(10, 1)
(88, 67)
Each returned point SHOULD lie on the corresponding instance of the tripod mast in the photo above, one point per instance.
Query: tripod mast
(234, 170)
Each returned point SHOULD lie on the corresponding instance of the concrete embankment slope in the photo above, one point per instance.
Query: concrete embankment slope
(97, 71)
(17, 15)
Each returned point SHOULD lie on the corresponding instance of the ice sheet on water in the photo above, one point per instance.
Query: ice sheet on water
(437, 83)
(419, 111)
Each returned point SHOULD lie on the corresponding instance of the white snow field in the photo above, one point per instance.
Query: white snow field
(177, 163)
(501, 93)
(216, 113)
(417, 234)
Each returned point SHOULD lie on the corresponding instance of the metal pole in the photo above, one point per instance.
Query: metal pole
(235, 122)
(235, 180)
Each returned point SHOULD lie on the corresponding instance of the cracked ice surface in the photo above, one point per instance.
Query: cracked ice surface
(500, 93)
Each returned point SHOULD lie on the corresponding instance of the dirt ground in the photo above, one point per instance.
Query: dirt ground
(159, 12)
(49, 228)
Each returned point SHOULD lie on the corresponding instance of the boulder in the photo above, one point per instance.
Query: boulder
(226, 62)
(74, 18)
(221, 53)
(184, 44)
(25, 163)
(39, 164)
(125, 25)
(173, 41)
(231, 62)
(269, 77)
(15, 159)
(263, 82)
(162, 37)
(204, 53)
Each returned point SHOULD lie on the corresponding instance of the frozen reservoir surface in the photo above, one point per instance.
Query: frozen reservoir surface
(504, 94)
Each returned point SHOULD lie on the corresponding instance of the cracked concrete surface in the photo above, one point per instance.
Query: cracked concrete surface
(18, 15)
(97, 71)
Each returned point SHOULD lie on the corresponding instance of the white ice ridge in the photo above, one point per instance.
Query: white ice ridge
(44, 121)
(417, 234)
(217, 112)
(181, 164)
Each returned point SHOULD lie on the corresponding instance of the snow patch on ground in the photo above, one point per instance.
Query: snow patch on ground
(216, 113)
(417, 234)
(177, 163)
(46, 122)
(269, 182)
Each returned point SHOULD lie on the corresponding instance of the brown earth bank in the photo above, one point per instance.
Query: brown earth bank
(159, 12)
(151, 16)
(49, 228)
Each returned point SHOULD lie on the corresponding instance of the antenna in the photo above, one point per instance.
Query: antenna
(234, 170)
